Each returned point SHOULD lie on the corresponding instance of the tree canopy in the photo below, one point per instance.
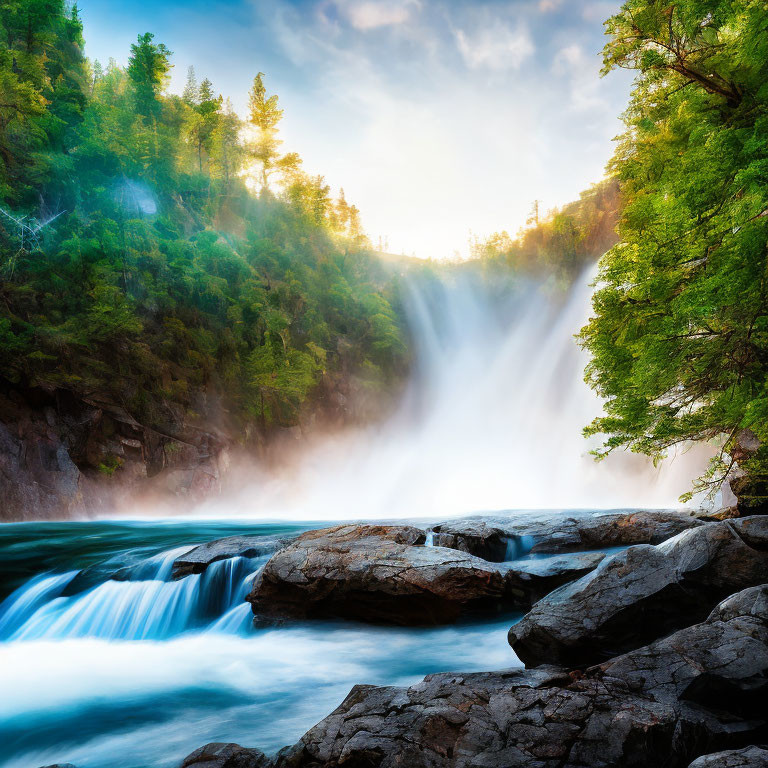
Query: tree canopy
(135, 262)
(680, 334)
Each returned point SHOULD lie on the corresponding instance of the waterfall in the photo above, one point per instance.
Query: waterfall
(492, 420)
(147, 606)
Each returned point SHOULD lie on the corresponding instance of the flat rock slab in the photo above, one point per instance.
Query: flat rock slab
(374, 573)
(499, 538)
(384, 573)
(199, 558)
(695, 691)
(67, 765)
(749, 757)
(642, 593)
(530, 580)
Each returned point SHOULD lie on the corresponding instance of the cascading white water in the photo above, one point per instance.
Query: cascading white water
(148, 606)
(28, 599)
(492, 420)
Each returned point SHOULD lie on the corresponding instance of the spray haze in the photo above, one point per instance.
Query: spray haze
(492, 419)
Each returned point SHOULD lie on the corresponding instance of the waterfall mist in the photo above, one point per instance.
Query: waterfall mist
(492, 419)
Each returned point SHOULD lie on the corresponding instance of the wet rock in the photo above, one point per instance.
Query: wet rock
(385, 574)
(199, 558)
(498, 538)
(530, 580)
(749, 757)
(747, 492)
(60, 765)
(37, 476)
(216, 755)
(375, 573)
(693, 692)
(642, 593)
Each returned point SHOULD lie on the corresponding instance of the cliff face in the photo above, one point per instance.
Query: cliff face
(62, 455)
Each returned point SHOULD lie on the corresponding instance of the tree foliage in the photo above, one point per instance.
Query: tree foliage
(680, 334)
(164, 283)
(561, 243)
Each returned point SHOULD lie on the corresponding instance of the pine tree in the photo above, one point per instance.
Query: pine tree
(265, 116)
(148, 68)
(226, 149)
(191, 92)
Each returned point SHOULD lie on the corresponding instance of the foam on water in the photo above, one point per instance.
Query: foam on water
(117, 704)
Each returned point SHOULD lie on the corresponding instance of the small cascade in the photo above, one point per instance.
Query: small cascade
(159, 567)
(430, 540)
(22, 604)
(518, 547)
(237, 621)
(149, 605)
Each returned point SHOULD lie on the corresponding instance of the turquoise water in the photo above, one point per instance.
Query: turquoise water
(106, 662)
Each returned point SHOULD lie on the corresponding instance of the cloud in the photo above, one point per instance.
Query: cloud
(373, 14)
(498, 48)
(419, 108)
(545, 6)
(583, 75)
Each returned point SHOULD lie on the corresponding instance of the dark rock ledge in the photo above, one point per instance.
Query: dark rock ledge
(497, 538)
(217, 755)
(644, 592)
(749, 757)
(380, 573)
(199, 558)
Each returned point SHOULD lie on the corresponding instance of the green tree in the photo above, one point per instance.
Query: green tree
(226, 150)
(191, 93)
(679, 340)
(148, 69)
(204, 120)
(42, 96)
(265, 116)
(158, 286)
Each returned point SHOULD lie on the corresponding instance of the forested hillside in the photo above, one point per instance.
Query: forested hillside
(680, 336)
(561, 242)
(163, 263)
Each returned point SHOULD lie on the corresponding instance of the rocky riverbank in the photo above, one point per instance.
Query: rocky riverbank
(656, 655)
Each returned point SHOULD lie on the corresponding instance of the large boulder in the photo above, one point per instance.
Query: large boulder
(198, 559)
(694, 692)
(643, 593)
(217, 755)
(498, 538)
(749, 757)
(385, 573)
(374, 573)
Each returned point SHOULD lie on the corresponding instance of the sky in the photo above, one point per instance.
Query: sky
(441, 120)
